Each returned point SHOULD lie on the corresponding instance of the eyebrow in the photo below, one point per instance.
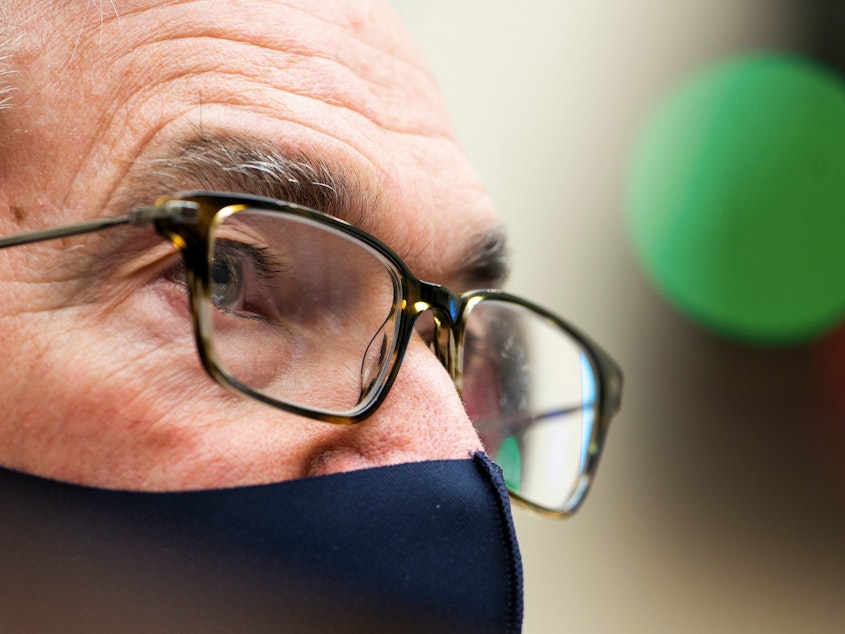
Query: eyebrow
(245, 165)
(254, 166)
(485, 262)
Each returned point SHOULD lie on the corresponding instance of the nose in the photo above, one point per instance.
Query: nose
(422, 418)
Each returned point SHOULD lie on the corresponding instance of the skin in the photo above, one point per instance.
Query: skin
(101, 381)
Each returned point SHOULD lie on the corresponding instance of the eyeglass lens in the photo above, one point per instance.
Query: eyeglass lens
(303, 313)
(530, 390)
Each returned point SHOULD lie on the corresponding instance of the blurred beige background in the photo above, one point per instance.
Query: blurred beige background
(720, 503)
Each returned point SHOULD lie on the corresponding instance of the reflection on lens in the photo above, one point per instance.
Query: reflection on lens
(508, 457)
(301, 312)
(530, 389)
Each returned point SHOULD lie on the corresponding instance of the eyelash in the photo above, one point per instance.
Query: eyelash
(261, 256)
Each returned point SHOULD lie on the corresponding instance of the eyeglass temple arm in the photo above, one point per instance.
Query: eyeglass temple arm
(613, 382)
(138, 216)
(611, 401)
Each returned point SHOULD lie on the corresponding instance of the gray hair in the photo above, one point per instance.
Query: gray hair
(6, 71)
(8, 39)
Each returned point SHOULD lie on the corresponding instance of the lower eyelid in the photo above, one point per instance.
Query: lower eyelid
(173, 294)
(164, 280)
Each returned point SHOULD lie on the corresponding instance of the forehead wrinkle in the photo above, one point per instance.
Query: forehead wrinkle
(377, 81)
(346, 21)
(280, 39)
(377, 98)
(302, 77)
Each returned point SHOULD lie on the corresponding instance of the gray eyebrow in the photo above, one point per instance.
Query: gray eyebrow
(486, 261)
(243, 165)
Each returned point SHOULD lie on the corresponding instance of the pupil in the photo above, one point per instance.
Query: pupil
(225, 281)
(220, 274)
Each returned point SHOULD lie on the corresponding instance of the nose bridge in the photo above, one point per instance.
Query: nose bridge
(445, 307)
(441, 300)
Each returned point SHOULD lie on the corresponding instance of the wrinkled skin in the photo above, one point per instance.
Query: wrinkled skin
(101, 381)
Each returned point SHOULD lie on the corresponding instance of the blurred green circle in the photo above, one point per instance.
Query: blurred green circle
(736, 198)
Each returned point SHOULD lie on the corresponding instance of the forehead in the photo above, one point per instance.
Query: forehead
(103, 89)
(352, 53)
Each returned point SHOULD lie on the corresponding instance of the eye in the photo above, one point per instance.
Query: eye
(244, 280)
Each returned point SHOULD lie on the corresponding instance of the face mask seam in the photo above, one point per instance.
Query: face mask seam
(509, 541)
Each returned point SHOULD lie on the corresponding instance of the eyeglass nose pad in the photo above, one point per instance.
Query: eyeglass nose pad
(375, 357)
(444, 346)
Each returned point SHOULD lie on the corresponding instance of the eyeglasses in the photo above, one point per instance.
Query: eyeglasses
(311, 315)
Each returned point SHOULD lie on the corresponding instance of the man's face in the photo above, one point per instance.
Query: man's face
(101, 380)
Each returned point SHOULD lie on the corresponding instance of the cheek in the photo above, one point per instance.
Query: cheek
(118, 398)
(91, 397)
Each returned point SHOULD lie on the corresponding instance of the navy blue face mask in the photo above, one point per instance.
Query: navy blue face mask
(421, 547)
